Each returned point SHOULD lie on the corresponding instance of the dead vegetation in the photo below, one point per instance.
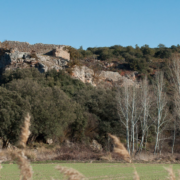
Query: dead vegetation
(107, 157)
(24, 165)
(25, 132)
(136, 175)
(18, 154)
(171, 175)
(70, 173)
(120, 149)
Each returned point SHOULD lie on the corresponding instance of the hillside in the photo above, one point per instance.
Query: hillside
(20, 55)
(79, 96)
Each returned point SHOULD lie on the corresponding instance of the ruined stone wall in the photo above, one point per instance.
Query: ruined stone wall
(26, 47)
(65, 55)
(61, 53)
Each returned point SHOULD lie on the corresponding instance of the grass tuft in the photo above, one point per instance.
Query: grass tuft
(120, 149)
(71, 173)
(136, 175)
(25, 132)
(23, 163)
(18, 155)
(107, 157)
(170, 173)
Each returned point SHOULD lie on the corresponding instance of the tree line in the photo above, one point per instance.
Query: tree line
(138, 58)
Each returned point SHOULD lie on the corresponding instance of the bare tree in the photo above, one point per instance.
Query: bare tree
(134, 111)
(161, 112)
(174, 67)
(123, 110)
(127, 109)
(146, 102)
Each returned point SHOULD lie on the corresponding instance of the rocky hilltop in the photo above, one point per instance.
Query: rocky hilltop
(14, 55)
(15, 59)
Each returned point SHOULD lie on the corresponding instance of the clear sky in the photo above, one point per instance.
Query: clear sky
(91, 23)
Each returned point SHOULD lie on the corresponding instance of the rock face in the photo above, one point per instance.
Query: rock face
(108, 78)
(83, 73)
(15, 59)
(45, 57)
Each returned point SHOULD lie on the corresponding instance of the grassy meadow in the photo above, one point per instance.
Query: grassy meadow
(94, 171)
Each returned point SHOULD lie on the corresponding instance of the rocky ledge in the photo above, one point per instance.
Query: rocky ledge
(108, 78)
(15, 59)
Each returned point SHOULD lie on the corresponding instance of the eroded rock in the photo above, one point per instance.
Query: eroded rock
(104, 78)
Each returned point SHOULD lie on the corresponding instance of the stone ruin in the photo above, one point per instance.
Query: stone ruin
(61, 52)
(42, 56)
(47, 56)
(47, 49)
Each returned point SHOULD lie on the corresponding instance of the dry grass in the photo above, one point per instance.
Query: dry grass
(0, 167)
(107, 157)
(18, 155)
(23, 163)
(43, 153)
(136, 175)
(170, 173)
(71, 173)
(25, 132)
(144, 157)
(120, 149)
(30, 154)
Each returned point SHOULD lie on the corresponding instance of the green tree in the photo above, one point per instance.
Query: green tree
(12, 111)
(147, 50)
(161, 46)
(51, 109)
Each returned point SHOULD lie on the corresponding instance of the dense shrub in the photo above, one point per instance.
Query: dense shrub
(12, 110)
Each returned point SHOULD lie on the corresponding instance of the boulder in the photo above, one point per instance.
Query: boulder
(49, 141)
(42, 67)
(96, 146)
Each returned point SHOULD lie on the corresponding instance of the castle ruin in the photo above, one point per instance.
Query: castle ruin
(39, 48)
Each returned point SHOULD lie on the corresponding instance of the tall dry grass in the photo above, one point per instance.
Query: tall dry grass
(25, 132)
(120, 149)
(71, 173)
(18, 154)
(136, 175)
(107, 157)
(171, 174)
(24, 165)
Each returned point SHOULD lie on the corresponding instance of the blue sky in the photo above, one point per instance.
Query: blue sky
(91, 23)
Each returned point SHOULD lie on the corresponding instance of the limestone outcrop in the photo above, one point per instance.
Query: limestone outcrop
(83, 73)
(14, 54)
(109, 78)
(15, 59)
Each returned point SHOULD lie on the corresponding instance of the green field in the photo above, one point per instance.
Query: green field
(92, 171)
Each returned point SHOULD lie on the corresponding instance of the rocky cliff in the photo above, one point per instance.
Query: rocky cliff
(23, 55)
(15, 59)
(108, 78)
